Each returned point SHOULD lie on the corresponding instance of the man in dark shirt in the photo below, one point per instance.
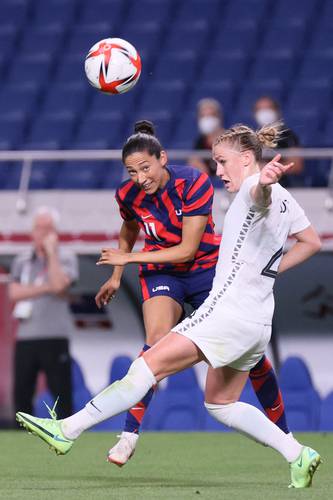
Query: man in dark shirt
(266, 111)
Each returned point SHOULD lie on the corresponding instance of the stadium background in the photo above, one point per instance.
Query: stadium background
(232, 50)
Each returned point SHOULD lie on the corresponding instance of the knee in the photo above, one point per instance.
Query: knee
(222, 412)
(154, 335)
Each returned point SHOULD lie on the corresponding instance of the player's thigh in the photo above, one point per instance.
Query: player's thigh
(171, 354)
(160, 314)
(224, 385)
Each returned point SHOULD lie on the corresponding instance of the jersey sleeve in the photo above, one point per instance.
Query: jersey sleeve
(199, 197)
(298, 219)
(125, 212)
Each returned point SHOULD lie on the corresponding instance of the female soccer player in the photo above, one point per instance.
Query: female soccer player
(173, 206)
(231, 329)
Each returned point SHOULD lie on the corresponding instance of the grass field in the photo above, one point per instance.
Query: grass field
(166, 465)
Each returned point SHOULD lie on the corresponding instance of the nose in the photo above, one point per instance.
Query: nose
(141, 178)
(219, 170)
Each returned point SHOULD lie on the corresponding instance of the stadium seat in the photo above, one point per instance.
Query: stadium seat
(19, 98)
(309, 94)
(10, 174)
(192, 11)
(102, 126)
(113, 175)
(304, 10)
(53, 127)
(183, 63)
(326, 414)
(237, 36)
(277, 64)
(159, 11)
(54, 10)
(186, 131)
(223, 90)
(246, 9)
(302, 401)
(35, 68)
(46, 37)
(163, 96)
(192, 36)
(101, 10)
(79, 175)
(179, 406)
(65, 96)
(12, 129)
(42, 174)
(273, 87)
(225, 65)
(318, 63)
(70, 69)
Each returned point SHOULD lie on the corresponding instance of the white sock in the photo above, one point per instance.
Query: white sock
(250, 421)
(116, 398)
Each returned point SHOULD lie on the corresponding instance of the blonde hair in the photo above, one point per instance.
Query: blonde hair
(245, 138)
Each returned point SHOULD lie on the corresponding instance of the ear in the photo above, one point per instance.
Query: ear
(163, 158)
(247, 158)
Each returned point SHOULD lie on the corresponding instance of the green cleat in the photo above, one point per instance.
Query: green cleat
(304, 467)
(48, 429)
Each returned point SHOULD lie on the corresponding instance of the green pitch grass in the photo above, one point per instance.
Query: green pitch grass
(166, 465)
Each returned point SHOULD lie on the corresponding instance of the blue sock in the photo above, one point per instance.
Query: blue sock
(135, 415)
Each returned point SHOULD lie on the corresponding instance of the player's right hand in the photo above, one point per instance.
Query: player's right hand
(107, 292)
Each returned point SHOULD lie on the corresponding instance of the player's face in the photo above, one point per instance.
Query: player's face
(229, 166)
(147, 171)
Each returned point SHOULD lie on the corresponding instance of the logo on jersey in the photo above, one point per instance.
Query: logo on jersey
(179, 212)
(160, 288)
(283, 206)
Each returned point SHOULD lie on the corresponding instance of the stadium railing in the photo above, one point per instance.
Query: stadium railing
(28, 157)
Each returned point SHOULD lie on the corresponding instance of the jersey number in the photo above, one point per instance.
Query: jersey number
(268, 271)
(150, 229)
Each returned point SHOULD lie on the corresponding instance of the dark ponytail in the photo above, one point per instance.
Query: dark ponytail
(143, 139)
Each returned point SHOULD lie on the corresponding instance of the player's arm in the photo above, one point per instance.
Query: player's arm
(307, 244)
(127, 237)
(193, 229)
(20, 291)
(270, 174)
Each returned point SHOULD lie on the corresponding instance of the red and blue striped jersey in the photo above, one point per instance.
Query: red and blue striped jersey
(187, 193)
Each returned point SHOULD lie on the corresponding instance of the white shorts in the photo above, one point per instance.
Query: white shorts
(224, 339)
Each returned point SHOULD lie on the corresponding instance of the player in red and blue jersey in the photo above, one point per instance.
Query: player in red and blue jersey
(173, 206)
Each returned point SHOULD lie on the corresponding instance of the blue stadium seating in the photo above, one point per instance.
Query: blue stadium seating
(203, 49)
(179, 406)
(326, 414)
(302, 401)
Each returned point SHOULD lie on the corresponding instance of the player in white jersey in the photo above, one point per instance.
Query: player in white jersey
(231, 330)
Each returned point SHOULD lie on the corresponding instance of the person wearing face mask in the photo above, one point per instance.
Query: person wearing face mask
(210, 126)
(266, 112)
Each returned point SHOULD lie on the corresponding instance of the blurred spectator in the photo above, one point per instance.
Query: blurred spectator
(210, 125)
(266, 111)
(40, 279)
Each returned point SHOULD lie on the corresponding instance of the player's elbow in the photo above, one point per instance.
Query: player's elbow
(188, 254)
(316, 244)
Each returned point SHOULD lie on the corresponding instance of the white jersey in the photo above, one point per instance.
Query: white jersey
(251, 249)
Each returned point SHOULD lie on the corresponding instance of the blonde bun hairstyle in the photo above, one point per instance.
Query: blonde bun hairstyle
(244, 138)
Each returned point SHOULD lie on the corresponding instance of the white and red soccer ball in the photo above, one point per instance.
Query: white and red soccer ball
(113, 66)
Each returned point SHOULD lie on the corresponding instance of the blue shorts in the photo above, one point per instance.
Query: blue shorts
(192, 287)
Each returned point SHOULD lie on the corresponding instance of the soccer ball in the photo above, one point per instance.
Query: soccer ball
(113, 66)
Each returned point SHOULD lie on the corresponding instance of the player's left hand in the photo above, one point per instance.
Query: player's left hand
(273, 171)
(113, 256)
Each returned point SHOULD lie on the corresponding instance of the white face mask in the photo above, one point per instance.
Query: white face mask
(266, 117)
(208, 124)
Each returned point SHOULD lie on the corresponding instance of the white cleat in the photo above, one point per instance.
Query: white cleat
(124, 449)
